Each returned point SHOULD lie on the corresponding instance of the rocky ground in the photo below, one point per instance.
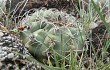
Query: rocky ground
(10, 48)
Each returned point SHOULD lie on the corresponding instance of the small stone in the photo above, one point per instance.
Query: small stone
(9, 38)
(15, 46)
(13, 39)
(93, 25)
(4, 48)
(2, 59)
(15, 43)
(7, 41)
(10, 45)
(4, 53)
(4, 38)
(1, 44)
(10, 55)
(1, 34)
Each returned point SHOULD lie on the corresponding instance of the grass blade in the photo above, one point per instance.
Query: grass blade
(101, 16)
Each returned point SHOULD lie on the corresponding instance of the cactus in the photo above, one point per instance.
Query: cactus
(52, 32)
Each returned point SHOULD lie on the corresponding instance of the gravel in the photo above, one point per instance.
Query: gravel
(9, 46)
(9, 59)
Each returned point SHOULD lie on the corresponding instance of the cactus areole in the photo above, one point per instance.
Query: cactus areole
(51, 33)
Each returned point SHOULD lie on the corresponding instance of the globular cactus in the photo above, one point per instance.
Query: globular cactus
(52, 32)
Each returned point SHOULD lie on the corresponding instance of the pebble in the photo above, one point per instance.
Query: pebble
(13, 39)
(11, 45)
(5, 53)
(15, 46)
(9, 38)
(4, 48)
(4, 38)
(1, 34)
(7, 41)
(11, 55)
(1, 44)
(2, 59)
(2, 55)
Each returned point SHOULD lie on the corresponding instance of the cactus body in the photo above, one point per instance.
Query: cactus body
(52, 32)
